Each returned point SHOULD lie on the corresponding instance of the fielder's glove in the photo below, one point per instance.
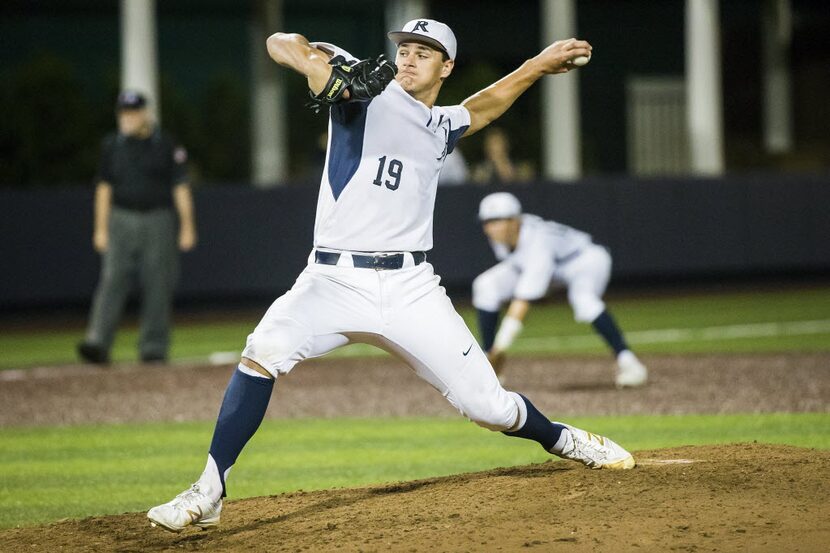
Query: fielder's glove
(364, 80)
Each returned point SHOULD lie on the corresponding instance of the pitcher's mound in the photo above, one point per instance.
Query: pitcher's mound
(743, 497)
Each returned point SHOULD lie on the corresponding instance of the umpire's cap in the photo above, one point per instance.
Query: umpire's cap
(130, 99)
(431, 32)
(500, 205)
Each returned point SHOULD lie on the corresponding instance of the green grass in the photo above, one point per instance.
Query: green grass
(550, 320)
(689, 312)
(52, 473)
(57, 347)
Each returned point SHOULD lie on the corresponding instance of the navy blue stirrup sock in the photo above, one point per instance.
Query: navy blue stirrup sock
(608, 329)
(246, 399)
(538, 428)
(488, 321)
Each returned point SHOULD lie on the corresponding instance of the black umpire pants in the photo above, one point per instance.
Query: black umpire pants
(142, 250)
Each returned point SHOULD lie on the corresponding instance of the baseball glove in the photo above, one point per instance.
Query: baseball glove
(363, 79)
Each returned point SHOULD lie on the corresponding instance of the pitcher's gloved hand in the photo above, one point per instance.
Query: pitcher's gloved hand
(364, 80)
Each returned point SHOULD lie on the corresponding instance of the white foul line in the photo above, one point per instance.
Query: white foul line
(668, 335)
(637, 337)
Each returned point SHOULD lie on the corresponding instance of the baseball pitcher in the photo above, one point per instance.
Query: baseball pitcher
(533, 254)
(367, 278)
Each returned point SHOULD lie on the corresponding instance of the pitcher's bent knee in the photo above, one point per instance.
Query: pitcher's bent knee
(277, 345)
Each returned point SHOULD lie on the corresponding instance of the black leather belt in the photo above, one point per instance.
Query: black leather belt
(380, 262)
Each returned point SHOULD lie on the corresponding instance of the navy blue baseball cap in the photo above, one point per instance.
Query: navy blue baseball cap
(130, 99)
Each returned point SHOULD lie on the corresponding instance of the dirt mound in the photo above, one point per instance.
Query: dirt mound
(722, 498)
(744, 497)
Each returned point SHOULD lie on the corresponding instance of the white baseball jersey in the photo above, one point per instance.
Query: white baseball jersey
(546, 251)
(377, 195)
(542, 246)
(381, 174)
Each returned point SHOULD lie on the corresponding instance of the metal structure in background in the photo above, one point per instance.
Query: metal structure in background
(657, 135)
(704, 88)
(139, 53)
(776, 37)
(561, 138)
(399, 12)
(269, 125)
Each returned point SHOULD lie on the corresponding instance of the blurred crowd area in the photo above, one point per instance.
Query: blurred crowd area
(51, 129)
(60, 72)
(52, 126)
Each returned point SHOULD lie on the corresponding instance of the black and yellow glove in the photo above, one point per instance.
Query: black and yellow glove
(363, 79)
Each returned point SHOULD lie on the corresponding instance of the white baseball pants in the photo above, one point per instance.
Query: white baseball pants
(405, 312)
(586, 277)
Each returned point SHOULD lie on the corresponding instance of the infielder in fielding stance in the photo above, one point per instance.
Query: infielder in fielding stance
(532, 254)
(367, 278)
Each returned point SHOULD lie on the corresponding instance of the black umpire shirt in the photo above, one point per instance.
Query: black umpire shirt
(142, 171)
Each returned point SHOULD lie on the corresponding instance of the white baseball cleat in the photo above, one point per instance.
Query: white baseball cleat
(191, 507)
(595, 451)
(631, 373)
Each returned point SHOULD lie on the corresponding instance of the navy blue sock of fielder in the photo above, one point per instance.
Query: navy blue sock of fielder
(243, 408)
(538, 428)
(607, 327)
(488, 321)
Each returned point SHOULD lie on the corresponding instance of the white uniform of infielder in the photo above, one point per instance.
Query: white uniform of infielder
(533, 254)
(367, 279)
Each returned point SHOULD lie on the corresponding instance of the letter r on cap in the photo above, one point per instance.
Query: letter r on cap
(420, 25)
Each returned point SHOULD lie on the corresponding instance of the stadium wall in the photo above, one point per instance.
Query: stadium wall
(253, 243)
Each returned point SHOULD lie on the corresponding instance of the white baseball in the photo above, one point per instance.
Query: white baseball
(581, 60)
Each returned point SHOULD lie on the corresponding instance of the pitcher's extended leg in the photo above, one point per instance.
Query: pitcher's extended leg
(430, 336)
(243, 408)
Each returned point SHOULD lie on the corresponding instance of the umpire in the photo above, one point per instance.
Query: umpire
(142, 186)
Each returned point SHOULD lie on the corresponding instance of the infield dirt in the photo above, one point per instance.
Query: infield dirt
(742, 497)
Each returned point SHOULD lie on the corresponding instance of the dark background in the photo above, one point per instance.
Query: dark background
(59, 69)
(59, 72)
(254, 243)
